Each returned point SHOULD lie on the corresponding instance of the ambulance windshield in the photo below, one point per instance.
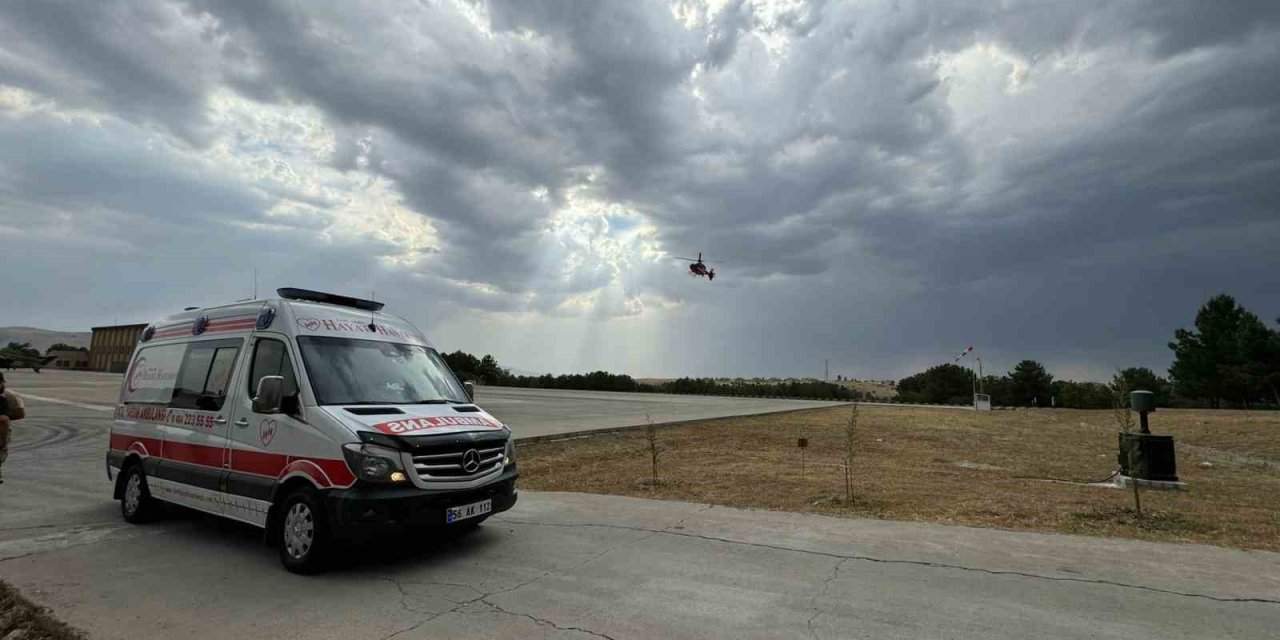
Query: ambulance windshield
(352, 371)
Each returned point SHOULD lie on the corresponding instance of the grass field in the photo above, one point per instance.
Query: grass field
(1009, 469)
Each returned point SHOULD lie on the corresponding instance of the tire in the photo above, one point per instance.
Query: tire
(136, 504)
(302, 531)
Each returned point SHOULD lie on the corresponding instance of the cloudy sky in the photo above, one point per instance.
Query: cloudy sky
(877, 183)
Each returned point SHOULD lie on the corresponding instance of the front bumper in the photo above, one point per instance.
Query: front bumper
(359, 511)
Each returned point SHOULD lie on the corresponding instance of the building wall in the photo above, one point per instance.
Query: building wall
(110, 347)
(69, 359)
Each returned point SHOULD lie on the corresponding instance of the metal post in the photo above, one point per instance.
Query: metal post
(1142, 415)
(981, 388)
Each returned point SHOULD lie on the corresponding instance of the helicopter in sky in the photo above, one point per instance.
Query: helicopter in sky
(699, 268)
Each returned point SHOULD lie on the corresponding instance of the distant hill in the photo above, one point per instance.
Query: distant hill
(43, 338)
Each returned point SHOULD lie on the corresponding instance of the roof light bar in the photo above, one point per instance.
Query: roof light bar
(306, 295)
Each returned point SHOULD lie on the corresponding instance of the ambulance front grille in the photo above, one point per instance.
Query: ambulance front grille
(451, 466)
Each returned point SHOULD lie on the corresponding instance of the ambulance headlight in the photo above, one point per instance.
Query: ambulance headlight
(373, 463)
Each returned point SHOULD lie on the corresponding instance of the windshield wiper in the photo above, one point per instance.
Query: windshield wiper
(432, 401)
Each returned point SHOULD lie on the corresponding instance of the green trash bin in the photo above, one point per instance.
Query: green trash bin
(1152, 457)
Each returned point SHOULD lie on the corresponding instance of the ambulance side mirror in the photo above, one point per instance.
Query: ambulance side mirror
(471, 390)
(270, 390)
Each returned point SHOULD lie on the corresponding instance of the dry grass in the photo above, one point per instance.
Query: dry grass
(948, 466)
(22, 620)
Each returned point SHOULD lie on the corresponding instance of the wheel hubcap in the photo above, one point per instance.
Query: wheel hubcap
(299, 530)
(133, 493)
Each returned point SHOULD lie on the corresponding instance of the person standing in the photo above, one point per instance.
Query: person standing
(12, 409)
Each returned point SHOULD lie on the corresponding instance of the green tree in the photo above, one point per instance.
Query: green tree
(1271, 366)
(464, 365)
(489, 371)
(1142, 378)
(61, 346)
(1225, 357)
(938, 385)
(22, 349)
(1081, 395)
(1000, 390)
(1030, 384)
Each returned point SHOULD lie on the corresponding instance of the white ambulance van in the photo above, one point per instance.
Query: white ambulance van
(312, 415)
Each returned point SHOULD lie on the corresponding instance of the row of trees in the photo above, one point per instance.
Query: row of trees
(22, 349)
(62, 346)
(1028, 385)
(1230, 358)
(25, 349)
(486, 370)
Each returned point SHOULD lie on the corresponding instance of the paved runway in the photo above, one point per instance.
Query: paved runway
(530, 412)
(579, 566)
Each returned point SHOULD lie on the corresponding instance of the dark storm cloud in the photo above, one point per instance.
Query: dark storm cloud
(140, 59)
(926, 174)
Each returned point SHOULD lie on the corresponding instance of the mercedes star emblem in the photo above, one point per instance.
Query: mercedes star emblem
(471, 461)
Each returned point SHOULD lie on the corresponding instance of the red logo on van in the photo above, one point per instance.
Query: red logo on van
(267, 431)
(314, 325)
(410, 425)
(134, 373)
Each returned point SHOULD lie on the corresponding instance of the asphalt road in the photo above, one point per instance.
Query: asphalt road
(529, 412)
(579, 566)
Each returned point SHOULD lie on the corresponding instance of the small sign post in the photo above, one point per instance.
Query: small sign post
(803, 443)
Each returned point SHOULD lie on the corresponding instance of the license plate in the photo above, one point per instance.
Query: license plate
(472, 510)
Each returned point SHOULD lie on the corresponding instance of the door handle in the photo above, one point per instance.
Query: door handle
(219, 420)
(242, 422)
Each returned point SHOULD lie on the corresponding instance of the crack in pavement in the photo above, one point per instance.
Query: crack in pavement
(918, 563)
(484, 596)
(826, 584)
(405, 595)
(54, 526)
(545, 622)
(50, 543)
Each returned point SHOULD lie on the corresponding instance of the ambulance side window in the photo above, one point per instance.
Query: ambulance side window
(271, 358)
(206, 371)
(153, 374)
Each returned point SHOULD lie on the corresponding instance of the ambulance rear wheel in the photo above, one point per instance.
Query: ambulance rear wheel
(305, 543)
(136, 504)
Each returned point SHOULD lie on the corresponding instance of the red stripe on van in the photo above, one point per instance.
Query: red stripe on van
(258, 463)
(200, 454)
(326, 472)
(309, 469)
(126, 442)
(227, 324)
(337, 470)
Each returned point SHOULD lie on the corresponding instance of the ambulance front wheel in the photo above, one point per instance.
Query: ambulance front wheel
(303, 532)
(136, 504)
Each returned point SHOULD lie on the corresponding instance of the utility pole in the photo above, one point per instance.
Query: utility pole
(980, 377)
(826, 370)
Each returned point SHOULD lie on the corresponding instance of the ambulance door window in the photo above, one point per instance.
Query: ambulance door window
(206, 372)
(271, 358)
